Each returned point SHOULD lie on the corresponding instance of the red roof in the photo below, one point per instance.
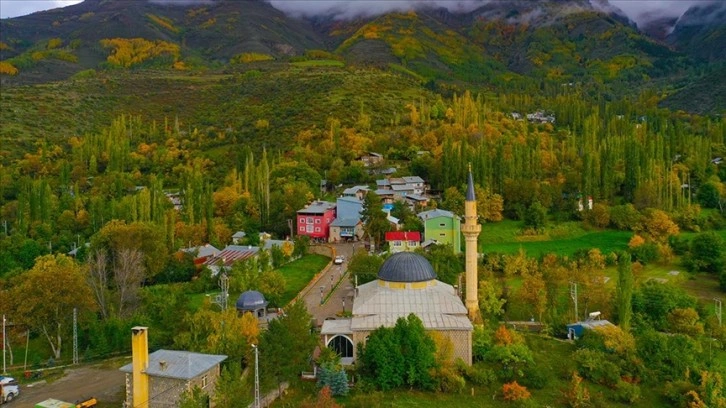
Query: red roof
(403, 236)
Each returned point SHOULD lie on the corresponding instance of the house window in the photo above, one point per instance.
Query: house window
(442, 235)
(442, 225)
(310, 220)
(302, 229)
(204, 381)
(309, 228)
(317, 220)
(397, 243)
(412, 243)
(302, 221)
(317, 229)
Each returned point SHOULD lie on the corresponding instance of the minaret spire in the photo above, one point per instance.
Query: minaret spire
(471, 230)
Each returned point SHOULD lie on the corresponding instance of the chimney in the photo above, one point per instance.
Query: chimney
(139, 364)
(162, 365)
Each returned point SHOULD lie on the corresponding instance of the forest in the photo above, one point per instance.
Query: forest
(653, 175)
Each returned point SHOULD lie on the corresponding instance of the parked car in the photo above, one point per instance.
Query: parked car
(6, 380)
(9, 391)
(339, 260)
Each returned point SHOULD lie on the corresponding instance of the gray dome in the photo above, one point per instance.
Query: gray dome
(251, 300)
(406, 267)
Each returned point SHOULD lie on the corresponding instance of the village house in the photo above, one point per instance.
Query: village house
(443, 227)
(358, 192)
(400, 241)
(228, 256)
(315, 219)
(347, 224)
(201, 253)
(371, 159)
(159, 379)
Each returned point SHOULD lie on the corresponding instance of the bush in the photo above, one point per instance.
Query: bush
(535, 378)
(447, 380)
(515, 392)
(645, 253)
(477, 374)
(627, 392)
(595, 366)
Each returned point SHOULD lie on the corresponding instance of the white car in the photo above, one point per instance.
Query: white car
(339, 260)
(6, 380)
(9, 391)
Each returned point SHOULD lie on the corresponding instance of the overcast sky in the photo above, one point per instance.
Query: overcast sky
(635, 9)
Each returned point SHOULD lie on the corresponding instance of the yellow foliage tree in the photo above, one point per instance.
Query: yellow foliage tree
(127, 52)
(7, 68)
(43, 298)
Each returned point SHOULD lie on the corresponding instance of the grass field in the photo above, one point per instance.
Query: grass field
(299, 272)
(318, 63)
(565, 239)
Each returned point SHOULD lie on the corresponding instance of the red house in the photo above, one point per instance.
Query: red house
(314, 220)
(399, 241)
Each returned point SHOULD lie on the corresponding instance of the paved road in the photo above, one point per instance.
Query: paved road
(105, 384)
(335, 275)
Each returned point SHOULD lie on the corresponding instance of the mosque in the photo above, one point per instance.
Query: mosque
(407, 284)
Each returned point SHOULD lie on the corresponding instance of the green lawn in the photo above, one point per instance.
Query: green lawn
(298, 274)
(607, 241)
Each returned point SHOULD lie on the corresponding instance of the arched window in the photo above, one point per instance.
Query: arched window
(341, 345)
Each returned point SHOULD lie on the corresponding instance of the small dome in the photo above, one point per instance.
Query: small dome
(251, 300)
(406, 267)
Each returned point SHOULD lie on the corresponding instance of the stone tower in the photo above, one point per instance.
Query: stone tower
(471, 228)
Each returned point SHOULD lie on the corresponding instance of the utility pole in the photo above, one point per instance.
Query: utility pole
(718, 310)
(573, 295)
(292, 230)
(5, 372)
(257, 377)
(75, 335)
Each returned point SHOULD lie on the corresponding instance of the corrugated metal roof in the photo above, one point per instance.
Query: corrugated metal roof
(437, 298)
(431, 321)
(317, 207)
(403, 236)
(412, 179)
(345, 222)
(183, 365)
(435, 213)
(340, 326)
(231, 254)
(355, 189)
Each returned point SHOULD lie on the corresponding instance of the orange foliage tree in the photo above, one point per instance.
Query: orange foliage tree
(514, 392)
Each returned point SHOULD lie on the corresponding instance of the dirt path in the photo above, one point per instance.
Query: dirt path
(104, 383)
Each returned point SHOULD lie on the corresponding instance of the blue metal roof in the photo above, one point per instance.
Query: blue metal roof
(406, 267)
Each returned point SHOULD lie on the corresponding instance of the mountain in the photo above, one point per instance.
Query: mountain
(701, 31)
(499, 45)
(206, 32)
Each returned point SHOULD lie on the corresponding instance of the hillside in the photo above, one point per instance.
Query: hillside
(500, 45)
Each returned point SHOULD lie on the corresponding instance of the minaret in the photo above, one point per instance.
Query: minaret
(471, 229)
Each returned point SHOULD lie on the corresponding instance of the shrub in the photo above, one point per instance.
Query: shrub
(535, 378)
(477, 374)
(577, 395)
(627, 392)
(624, 217)
(594, 366)
(448, 380)
(515, 392)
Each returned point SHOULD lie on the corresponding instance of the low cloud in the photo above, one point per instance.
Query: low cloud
(643, 12)
(345, 10)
